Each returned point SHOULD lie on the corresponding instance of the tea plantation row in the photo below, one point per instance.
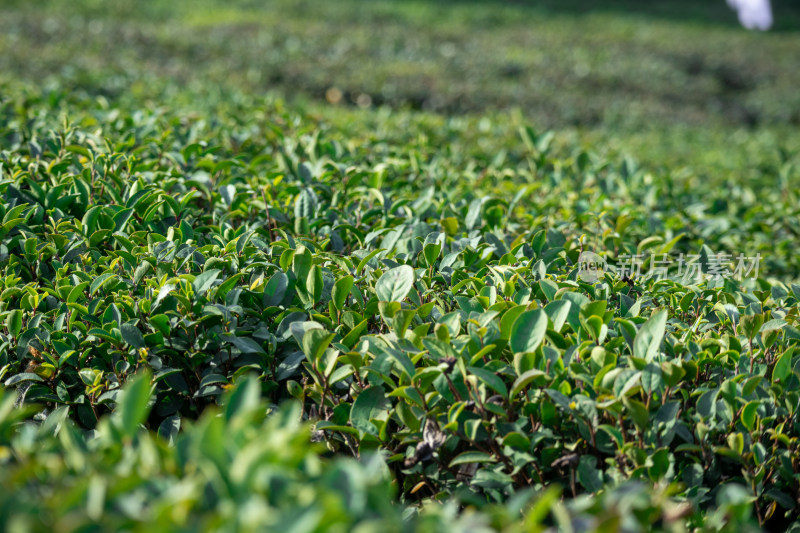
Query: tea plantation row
(410, 297)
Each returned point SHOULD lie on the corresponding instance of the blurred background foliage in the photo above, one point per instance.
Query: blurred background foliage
(657, 80)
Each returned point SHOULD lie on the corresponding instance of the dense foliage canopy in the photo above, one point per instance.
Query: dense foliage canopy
(221, 310)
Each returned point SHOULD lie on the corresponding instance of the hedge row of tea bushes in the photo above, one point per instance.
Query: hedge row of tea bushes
(249, 468)
(623, 66)
(241, 469)
(417, 302)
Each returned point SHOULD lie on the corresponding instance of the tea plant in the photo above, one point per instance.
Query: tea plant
(419, 303)
(241, 469)
(296, 266)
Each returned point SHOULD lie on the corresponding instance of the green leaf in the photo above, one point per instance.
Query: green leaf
(506, 321)
(103, 334)
(14, 322)
(305, 204)
(169, 428)
(141, 271)
(774, 324)
(431, 250)
(544, 503)
(77, 292)
(243, 399)
(750, 324)
(242, 241)
(395, 284)
(473, 214)
(161, 323)
(89, 221)
(132, 405)
(315, 342)
(98, 237)
(275, 290)
(228, 194)
(549, 288)
(227, 285)
(341, 289)
(652, 380)
(660, 460)
(121, 218)
(162, 293)
(325, 425)
(401, 320)
(749, 412)
(205, 280)
(246, 344)
(55, 421)
(99, 281)
(353, 335)
(22, 378)
(301, 264)
(14, 212)
(558, 311)
(614, 433)
(370, 403)
(132, 336)
(588, 475)
(490, 379)
(472, 457)
(736, 442)
(783, 366)
(314, 284)
(366, 258)
(648, 339)
(524, 380)
(404, 362)
(638, 411)
(528, 331)
(560, 399)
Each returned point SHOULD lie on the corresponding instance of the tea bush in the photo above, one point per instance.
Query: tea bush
(227, 310)
(241, 469)
(421, 303)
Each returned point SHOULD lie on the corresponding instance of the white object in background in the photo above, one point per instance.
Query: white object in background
(753, 14)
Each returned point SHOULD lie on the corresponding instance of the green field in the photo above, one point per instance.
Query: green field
(322, 266)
